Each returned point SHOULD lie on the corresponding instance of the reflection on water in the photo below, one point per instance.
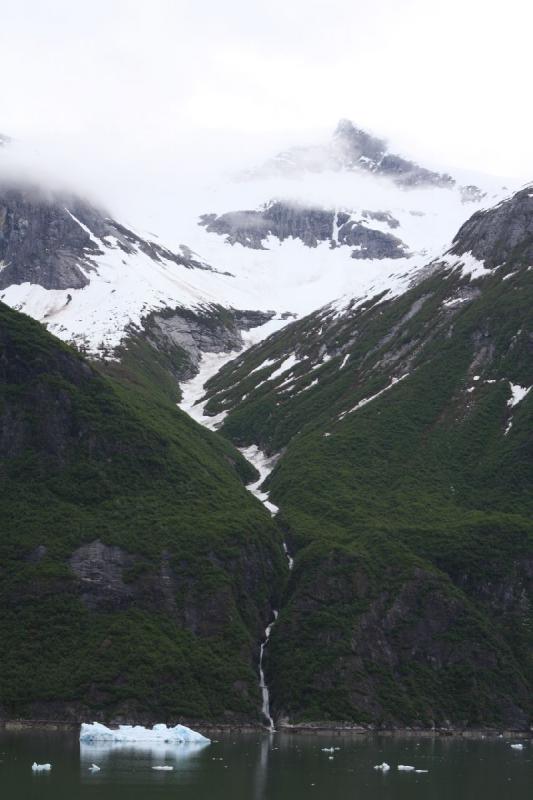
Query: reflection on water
(125, 761)
(265, 767)
(158, 751)
(262, 767)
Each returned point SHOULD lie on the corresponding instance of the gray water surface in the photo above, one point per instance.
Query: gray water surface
(264, 767)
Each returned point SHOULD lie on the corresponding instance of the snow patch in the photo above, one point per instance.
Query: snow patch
(517, 394)
(286, 364)
(192, 390)
(264, 465)
(471, 267)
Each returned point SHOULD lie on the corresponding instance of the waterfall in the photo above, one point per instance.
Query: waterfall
(262, 683)
(290, 559)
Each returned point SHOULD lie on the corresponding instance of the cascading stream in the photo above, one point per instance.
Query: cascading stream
(262, 683)
(192, 391)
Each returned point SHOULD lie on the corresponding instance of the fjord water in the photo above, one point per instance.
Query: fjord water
(267, 767)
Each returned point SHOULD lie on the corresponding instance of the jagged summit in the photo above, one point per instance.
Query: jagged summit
(358, 142)
(353, 149)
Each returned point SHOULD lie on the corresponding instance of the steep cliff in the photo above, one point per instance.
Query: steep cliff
(136, 572)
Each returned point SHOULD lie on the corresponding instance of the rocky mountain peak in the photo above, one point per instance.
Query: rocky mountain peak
(356, 144)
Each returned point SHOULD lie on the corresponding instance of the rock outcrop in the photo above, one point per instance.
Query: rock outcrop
(500, 235)
(311, 225)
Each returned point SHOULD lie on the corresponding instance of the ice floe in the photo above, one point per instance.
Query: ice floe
(41, 767)
(179, 734)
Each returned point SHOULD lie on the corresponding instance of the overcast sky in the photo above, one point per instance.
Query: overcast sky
(448, 81)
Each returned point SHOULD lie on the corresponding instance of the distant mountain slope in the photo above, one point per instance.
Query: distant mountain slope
(404, 427)
(137, 573)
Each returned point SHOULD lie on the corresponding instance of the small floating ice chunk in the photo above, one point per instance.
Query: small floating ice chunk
(421, 771)
(94, 768)
(384, 767)
(163, 768)
(517, 746)
(405, 768)
(41, 767)
(180, 734)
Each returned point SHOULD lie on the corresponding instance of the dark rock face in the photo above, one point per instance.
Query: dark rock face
(410, 629)
(40, 243)
(52, 240)
(192, 333)
(100, 569)
(309, 224)
(370, 243)
(503, 234)
(382, 216)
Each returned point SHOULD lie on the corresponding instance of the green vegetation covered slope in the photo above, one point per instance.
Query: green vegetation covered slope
(405, 484)
(136, 572)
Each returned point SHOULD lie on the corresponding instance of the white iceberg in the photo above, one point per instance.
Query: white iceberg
(41, 767)
(94, 768)
(163, 768)
(517, 746)
(405, 768)
(95, 732)
(383, 767)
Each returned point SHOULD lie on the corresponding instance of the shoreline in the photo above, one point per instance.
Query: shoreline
(308, 729)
